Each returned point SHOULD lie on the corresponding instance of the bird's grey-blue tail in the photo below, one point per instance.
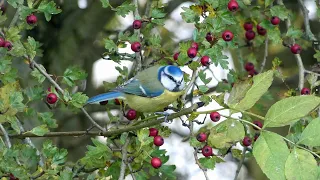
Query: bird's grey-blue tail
(104, 97)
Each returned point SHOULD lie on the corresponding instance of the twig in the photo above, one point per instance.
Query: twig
(15, 18)
(113, 132)
(193, 79)
(37, 66)
(265, 55)
(305, 12)
(131, 172)
(241, 162)
(6, 136)
(204, 170)
(137, 31)
(124, 159)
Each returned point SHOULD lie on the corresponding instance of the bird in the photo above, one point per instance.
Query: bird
(151, 90)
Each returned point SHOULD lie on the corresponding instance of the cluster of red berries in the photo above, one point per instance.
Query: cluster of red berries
(250, 34)
(247, 141)
(249, 67)
(136, 46)
(206, 150)
(158, 141)
(5, 44)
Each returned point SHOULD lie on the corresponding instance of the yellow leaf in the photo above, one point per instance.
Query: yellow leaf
(5, 92)
(211, 11)
(197, 9)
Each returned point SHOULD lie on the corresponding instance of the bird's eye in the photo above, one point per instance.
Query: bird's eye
(170, 77)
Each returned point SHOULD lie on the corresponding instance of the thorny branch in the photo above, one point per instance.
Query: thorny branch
(204, 170)
(124, 159)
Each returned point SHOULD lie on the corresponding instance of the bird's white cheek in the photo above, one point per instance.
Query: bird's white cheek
(167, 83)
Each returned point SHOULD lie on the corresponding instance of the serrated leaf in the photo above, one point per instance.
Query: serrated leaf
(194, 65)
(31, 47)
(290, 110)
(125, 8)
(47, 119)
(40, 130)
(238, 92)
(301, 165)
(54, 155)
(157, 13)
(203, 77)
(38, 75)
(143, 137)
(203, 88)
(49, 9)
(189, 15)
(311, 134)
(34, 93)
(167, 171)
(15, 100)
(73, 74)
(294, 32)
(105, 3)
(226, 133)
(208, 163)
(275, 153)
(268, 2)
(15, 3)
(261, 84)
(78, 99)
(14, 123)
(24, 12)
(110, 45)
(279, 10)
(155, 40)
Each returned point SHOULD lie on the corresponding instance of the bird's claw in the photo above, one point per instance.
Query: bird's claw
(165, 114)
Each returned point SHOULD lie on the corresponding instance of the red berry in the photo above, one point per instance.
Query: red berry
(3, 9)
(2, 41)
(52, 98)
(153, 132)
(233, 5)
(8, 45)
(205, 61)
(275, 20)
(248, 26)
(262, 31)
(117, 101)
(256, 137)
(136, 24)
(176, 55)
(156, 162)
(249, 66)
(131, 114)
(103, 102)
(209, 37)
(12, 177)
(215, 116)
(207, 151)
(192, 52)
(257, 123)
(253, 72)
(136, 47)
(158, 141)
(31, 19)
(227, 35)
(246, 141)
(250, 35)
(195, 45)
(305, 91)
(295, 49)
(202, 137)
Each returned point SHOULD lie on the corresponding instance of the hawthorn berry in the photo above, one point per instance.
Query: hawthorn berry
(215, 116)
(246, 141)
(52, 98)
(192, 52)
(305, 91)
(103, 102)
(12, 177)
(31, 19)
(233, 5)
(158, 140)
(256, 136)
(207, 151)
(209, 37)
(253, 72)
(275, 20)
(205, 60)
(202, 137)
(257, 123)
(295, 49)
(8, 45)
(153, 132)
(3, 9)
(261, 31)
(2, 41)
(250, 35)
(136, 47)
(117, 101)
(176, 55)
(131, 114)
(248, 26)
(249, 66)
(227, 35)
(156, 162)
(195, 45)
(136, 24)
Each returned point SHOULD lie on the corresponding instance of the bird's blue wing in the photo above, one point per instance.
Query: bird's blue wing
(104, 97)
(142, 88)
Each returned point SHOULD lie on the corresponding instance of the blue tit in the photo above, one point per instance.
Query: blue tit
(151, 90)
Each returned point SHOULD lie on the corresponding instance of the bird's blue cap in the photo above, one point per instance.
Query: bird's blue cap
(173, 70)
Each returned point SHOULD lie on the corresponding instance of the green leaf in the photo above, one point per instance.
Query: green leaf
(167, 171)
(143, 137)
(189, 15)
(268, 2)
(24, 11)
(66, 174)
(73, 74)
(208, 163)
(105, 3)
(311, 134)
(226, 133)
(31, 47)
(125, 8)
(290, 110)
(271, 153)
(54, 155)
(48, 8)
(261, 84)
(294, 32)
(194, 65)
(14, 123)
(15, 3)
(39, 76)
(15, 100)
(110, 45)
(301, 165)
(34, 93)
(40, 130)
(157, 13)
(203, 88)
(203, 77)
(238, 92)
(155, 40)
(227, 18)
(46, 118)
(317, 55)
(279, 10)
(78, 99)
(114, 170)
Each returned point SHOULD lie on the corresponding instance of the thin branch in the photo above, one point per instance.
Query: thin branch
(305, 12)
(131, 171)
(15, 18)
(113, 132)
(124, 159)
(241, 162)
(37, 66)
(193, 79)
(6, 136)
(204, 170)
(137, 31)
(265, 55)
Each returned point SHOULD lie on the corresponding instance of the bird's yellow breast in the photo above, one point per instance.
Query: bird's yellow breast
(146, 104)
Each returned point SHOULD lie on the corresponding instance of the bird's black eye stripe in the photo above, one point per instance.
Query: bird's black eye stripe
(170, 77)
